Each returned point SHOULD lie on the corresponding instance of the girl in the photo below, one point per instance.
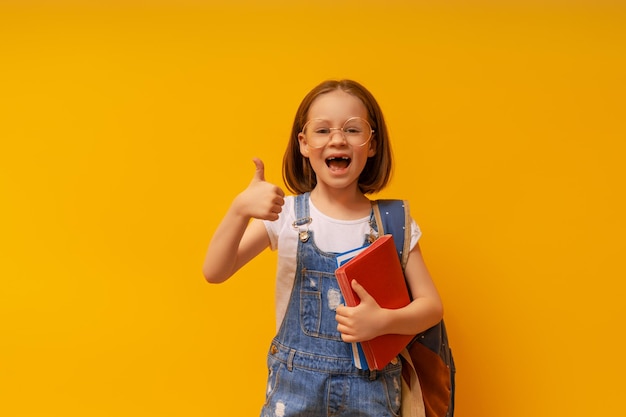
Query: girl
(338, 152)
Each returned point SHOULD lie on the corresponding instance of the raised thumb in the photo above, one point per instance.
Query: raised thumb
(360, 291)
(259, 173)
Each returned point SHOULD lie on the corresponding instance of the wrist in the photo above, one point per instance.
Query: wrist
(239, 210)
(385, 322)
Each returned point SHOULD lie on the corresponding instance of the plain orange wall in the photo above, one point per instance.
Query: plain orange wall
(126, 129)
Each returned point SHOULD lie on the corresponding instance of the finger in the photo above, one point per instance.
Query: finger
(259, 173)
(341, 311)
(279, 200)
(347, 337)
(340, 318)
(344, 329)
(359, 290)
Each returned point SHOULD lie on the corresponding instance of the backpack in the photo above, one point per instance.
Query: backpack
(428, 353)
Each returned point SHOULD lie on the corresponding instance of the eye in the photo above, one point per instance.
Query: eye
(321, 131)
(352, 130)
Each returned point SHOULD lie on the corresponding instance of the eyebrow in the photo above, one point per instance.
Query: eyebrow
(328, 120)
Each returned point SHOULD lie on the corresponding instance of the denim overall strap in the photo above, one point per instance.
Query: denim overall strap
(302, 208)
(301, 224)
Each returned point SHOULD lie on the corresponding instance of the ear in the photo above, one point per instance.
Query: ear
(372, 150)
(304, 148)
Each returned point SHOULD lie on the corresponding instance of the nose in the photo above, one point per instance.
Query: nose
(332, 135)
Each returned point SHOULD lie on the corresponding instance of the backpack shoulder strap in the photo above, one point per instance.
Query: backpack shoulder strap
(393, 217)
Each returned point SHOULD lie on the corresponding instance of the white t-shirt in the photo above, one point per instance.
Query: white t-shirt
(331, 235)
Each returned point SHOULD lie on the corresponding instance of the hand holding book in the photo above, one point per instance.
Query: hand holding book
(362, 322)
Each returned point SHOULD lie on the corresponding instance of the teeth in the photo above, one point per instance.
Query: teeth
(338, 161)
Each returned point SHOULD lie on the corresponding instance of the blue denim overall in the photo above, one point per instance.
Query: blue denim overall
(311, 372)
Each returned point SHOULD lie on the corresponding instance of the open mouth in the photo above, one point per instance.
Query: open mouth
(338, 162)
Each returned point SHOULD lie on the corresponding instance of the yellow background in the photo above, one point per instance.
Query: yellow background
(126, 129)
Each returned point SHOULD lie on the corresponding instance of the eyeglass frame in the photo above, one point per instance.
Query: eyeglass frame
(340, 129)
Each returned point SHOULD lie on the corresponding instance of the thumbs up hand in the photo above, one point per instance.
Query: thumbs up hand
(261, 200)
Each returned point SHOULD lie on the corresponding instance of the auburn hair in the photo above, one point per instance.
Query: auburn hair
(298, 174)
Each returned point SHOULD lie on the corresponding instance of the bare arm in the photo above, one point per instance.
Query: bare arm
(237, 239)
(369, 320)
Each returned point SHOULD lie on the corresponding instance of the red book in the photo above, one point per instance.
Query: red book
(377, 268)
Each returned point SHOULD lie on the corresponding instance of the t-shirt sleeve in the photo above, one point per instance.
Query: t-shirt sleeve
(272, 232)
(275, 226)
(416, 233)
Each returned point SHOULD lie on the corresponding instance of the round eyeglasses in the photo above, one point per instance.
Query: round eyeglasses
(356, 131)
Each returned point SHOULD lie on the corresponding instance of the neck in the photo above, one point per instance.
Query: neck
(341, 204)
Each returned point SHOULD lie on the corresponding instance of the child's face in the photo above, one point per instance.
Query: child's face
(337, 164)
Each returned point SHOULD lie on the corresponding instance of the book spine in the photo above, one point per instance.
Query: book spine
(369, 355)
